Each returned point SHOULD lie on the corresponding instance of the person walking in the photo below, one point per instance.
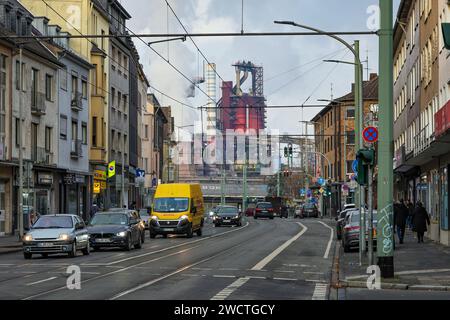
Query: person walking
(410, 206)
(420, 221)
(401, 215)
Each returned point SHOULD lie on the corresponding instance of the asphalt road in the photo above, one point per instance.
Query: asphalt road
(281, 259)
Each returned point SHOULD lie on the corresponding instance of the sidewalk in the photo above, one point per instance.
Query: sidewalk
(418, 266)
(10, 244)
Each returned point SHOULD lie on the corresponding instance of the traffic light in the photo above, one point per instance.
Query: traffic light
(286, 154)
(365, 158)
(290, 151)
(446, 34)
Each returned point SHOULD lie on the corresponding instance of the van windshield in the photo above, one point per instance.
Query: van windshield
(171, 204)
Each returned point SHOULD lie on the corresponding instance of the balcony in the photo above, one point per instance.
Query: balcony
(76, 150)
(77, 102)
(41, 156)
(38, 107)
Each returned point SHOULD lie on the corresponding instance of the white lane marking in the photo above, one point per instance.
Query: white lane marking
(202, 269)
(312, 272)
(176, 246)
(404, 273)
(283, 271)
(223, 276)
(225, 293)
(327, 252)
(285, 279)
(280, 249)
(111, 273)
(299, 266)
(311, 280)
(254, 277)
(41, 281)
(320, 292)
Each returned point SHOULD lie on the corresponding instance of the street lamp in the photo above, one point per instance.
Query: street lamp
(167, 40)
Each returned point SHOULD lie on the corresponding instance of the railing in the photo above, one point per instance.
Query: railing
(41, 156)
(422, 141)
(76, 150)
(38, 106)
(77, 102)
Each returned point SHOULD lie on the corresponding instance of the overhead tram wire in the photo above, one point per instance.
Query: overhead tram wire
(109, 56)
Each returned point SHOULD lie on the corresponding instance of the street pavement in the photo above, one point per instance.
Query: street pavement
(281, 259)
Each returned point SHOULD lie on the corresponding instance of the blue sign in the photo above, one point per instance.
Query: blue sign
(302, 192)
(314, 200)
(140, 173)
(355, 166)
(321, 181)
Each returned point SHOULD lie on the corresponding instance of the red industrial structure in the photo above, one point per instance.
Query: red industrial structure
(235, 106)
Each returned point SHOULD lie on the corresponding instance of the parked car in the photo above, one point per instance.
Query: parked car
(310, 210)
(228, 216)
(264, 210)
(116, 228)
(340, 219)
(349, 206)
(350, 234)
(53, 234)
(250, 211)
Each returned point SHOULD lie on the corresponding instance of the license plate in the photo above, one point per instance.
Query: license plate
(45, 245)
(102, 240)
(169, 229)
(265, 211)
(226, 221)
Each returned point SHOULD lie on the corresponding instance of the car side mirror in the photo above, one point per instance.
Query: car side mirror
(79, 226)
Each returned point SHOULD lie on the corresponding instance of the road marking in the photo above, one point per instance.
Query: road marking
(176, 246)
(223, 276)
(225, 293)
(202, 269)
(327, 252)
(228, 269)
(280, 249)
(283, 271)
(312, 272)
(311, 280)
(320, 292)
(41, 281)
(285, 279)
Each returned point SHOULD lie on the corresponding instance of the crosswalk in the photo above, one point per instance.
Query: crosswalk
(320, 292)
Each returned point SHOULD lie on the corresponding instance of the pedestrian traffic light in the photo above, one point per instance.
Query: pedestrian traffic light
(365, 158)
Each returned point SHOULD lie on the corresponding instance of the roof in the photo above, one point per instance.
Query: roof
(370, 92)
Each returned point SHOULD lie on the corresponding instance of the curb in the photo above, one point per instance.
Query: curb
(394, 286)
(10, 250)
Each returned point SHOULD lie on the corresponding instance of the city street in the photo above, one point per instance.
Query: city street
(251, 262)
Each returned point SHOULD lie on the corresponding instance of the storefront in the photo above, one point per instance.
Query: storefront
(73, 194)
(5, 201)
(44, 193)
(99, 188)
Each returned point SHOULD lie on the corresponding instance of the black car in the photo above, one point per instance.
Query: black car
(227, 216)
(310, 210)
(116, 228)
(264, 210)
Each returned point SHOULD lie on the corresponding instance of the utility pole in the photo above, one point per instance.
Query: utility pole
(222, 186)
(20, 198)
(279, 172)
(370, 206)
(244, 173)
(122, 198)
(385, 248)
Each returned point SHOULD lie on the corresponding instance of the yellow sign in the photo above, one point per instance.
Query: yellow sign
(100, 175)
(97, 187)
(103, 185)
(112, 169)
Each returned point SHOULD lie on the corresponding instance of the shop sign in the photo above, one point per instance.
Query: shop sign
(97, 187)
(45, 178)
(103, 185)
(100, 175)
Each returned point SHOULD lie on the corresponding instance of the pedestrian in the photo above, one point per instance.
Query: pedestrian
(400, 215)
(420, 221)
(410, 214)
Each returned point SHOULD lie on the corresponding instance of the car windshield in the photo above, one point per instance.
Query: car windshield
(109, 219)
(355, 217)
(171, 205)
(229, 210)
(264, 205)
(53, 222)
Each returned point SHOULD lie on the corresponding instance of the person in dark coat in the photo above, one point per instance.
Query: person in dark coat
(410, 206)
(400, 216)
(420, 221)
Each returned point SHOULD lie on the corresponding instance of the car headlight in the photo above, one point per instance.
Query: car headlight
(154, 218)
(237, 217)
(121, 234)
(64, 237)
(184, 217)
(28, 237)
(211, 214)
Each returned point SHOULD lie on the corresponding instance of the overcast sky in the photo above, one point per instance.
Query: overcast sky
(302, 56)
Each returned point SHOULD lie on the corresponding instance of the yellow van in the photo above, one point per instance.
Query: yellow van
(177, 209)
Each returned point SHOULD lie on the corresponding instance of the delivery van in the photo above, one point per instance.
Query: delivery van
(177, 209)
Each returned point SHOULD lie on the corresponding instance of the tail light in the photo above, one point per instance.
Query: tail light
(270, 210)
(258, 210)
(351, 228)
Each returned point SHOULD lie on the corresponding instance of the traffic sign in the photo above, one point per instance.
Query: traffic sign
(322, 190)
(321, 181)
(355, 166)
(370, 134)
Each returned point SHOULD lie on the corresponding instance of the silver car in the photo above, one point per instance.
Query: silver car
(53, 234)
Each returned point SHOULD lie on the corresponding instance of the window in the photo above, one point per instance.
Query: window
(48, 139)
(350, 137)
(146, 131)
(63, 77)
(17, 132)
(84, 133)
(48, 87)
(34, 86)
(63, 127)
(74, 86)
(94, 131)
(125, 103)
(350, 166)
(94, 80)
(119, 99)
(74, 130)
(2, 96)
(350, 113)
(18, 75)
(103, 40)
(84, 89)
(113, 97)
(113, 137)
